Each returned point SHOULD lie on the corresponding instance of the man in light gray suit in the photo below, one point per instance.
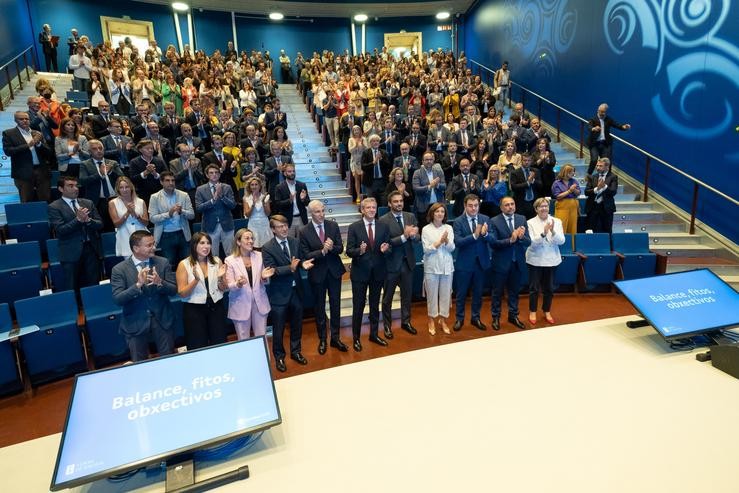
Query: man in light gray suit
(142, 285)
(428, 185)
(170, 210)
(215, 201)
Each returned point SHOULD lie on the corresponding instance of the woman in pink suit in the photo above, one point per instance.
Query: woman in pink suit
(248, 305)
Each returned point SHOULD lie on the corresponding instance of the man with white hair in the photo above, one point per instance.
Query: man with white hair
(600, 141)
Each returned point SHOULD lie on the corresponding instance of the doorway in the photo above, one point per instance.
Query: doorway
(404, 44)
(116, 29)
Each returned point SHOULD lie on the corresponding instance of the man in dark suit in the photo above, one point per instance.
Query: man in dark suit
(42, 120)
(600, 141)
(368, 245)
(428, 186)
(347, 122)
(390, 139)
(375, 168)
(97, 179)
(417, 141)
(251, 139)
(321, 241)
(407, 162)
(275, 118)
(265, 91)
(215, 201)
(291, 199)
(600, 189)
(186, 137)
(77, 226)
(169, 123)
(462, 185)
(117, 147)
(142, 285)
(510, 239)
(162, 147)
(465, 139)
(471, 240)
(285, 290)
(145, 170)
(101, 121)
(450, 162)
(187, 170)
(438, 137)
(48, 44)
(526, 186)
(30, 159)
(226, 163)
(400, 263)
(199, 124)
(274, 166)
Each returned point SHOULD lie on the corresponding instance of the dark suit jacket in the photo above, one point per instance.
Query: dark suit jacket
(149, 185)
(228, 173)
(451, 166)
(311, 246)
(419, 148)
(391, 147)
(503, 250)
(100, 126)
(609, 203)
(456, 191)
(197, 144)
(280, 284)
(272, 173)
(368, 166)
(401, 252)
(111, 151)
(369, 266)
(71, 233)
(468, 248)
(91, 181)
(169, 128)
(193, 121)
(270, 121)
(285, 206)
(519, 183)
(181, 174)
(142, 305)
(21, 159)
(609, 123)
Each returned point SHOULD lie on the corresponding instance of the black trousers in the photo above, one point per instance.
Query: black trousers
(280, 313)
(332, 287)
(511, 282)
(359, 299)
(404, 278)
(601, 149)
(84, 272)
(600, 220)
(204, 325)
(541, 279)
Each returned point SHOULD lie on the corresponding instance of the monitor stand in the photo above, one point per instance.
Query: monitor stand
(181, 476)
(635, 324)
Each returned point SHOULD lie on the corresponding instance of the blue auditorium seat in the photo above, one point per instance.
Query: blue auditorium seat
(566, 273)
(102, 318)
(598, 262)
(10, 379)
(20, 271)
(55, 351)
(29, 222)
(110, 259)
(633, 251)
(54, 272)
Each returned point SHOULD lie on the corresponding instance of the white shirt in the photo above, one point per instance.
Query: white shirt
(437, 260)
(29, 138)
(544, 252)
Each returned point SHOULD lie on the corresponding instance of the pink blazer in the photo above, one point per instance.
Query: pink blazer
(240, 299)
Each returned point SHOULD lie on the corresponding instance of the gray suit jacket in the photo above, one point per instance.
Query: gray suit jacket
(159, 212)
(141, 305)
(421, 184)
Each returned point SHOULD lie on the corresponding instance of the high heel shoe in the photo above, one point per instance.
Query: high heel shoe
(532, 320)
(444, 327)
(549, 319)
(432, 327)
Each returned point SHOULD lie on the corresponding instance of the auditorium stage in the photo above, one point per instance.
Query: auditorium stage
(585, 407)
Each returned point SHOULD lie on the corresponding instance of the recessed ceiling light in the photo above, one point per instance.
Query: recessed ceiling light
(181, 6)
(276, 16)
(442, 15)
(360, 17)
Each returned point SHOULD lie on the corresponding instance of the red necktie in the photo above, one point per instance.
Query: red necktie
(321, 235)
(371, 236)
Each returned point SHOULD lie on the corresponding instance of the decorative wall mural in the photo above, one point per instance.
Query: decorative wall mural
(697, 69)
(540, 30)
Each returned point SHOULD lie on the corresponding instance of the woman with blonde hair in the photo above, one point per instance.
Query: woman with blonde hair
(565, 191)
(246, 279)
(509, 158)
(257, 208)
(71, 148)
(128, 213)
(356, 145)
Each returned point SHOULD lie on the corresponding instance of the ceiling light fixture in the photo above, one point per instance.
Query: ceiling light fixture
(360, 17)
(442, 16)
(276, 16)
(180, 6)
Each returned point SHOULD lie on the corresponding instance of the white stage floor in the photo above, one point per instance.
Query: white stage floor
(589, 407)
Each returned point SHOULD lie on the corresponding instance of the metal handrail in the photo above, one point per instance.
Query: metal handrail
(14, 61)
(649, 156)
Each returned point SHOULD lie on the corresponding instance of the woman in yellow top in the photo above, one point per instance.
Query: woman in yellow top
(451, 104)
(230, 147)
(509, 156)
(373, 97)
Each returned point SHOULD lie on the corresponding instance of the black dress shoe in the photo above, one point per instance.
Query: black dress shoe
(478, 323)
(357, 346)
(496, 323)
(299, 358)
(515, 321)
(388, 332)
(457, 326)
(339, 345)
(322, 347)
(378, 340)
(409, 328)
(280, 365)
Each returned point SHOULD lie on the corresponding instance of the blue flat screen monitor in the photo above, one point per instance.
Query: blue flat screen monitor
(684, 304)
(130, 416)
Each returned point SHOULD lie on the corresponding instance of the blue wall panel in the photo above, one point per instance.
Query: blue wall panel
(15, 30)
(670, 68)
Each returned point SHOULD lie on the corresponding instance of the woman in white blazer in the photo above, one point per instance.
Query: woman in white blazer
(543, 257)
(201, 283)
(246, 278)
(438, 266)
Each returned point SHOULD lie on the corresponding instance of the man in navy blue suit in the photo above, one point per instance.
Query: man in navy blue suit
(471, 239)
(285, 290)
(368, 244)
(510, 239)
(142, 285)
